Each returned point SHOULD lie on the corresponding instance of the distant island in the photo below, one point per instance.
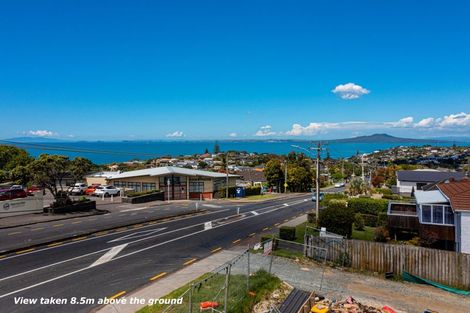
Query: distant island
(383, 138)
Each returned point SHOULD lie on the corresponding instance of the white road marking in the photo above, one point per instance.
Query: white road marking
(212, 206)
(254, 213)
(138, 234)
(135, 209)
(285, 204)
(108, 256)
(207, 225)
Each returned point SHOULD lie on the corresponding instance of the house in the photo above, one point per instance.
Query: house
(177, 183)
(409, 181)
(252, 178)
(440, 217)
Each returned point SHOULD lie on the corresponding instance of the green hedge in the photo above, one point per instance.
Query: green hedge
(368, 205)
(382, 219)
(337, 218)
(287, 233)
(232, 191)
(140, 193)
(369, 219)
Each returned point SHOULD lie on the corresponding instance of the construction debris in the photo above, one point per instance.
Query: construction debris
(349, 305)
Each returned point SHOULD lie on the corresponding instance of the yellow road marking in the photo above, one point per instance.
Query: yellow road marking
(216, 250)
(24, 251)
(153, 222)
(266, 228)
(158, 276)
(189, 261)
(14, 233)
(117, 295)
(101, 233)
(236, 241)
(92, 219)
(57, 225)
(121, 229)
(137, 226)
(79, 238)
(2, 256)
(39, 228)
(277, 224)
(286, 220)
(251, 235)
(76, 222)
(55, 244)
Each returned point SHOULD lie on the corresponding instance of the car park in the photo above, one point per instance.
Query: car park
(91, 189)
(106, 191)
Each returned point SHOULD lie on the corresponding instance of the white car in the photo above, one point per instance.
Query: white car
(106, 191)
(340, 184)
(78, 189)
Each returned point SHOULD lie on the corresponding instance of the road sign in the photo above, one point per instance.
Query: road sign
(268, 247)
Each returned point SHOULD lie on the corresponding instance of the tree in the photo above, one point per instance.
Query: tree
(357, 186)
(206, 151)
(273, 173)
(337, 218)
(49, 171)
(12, 163)
(79, 167)
(216, 148)
(299, 178)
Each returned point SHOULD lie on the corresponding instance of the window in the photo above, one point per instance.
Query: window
(426, 214)
(120, 184)
(134, 186)
(172, 179)
(148, 186)
(196, 186)
(448, 215)
(437, 214)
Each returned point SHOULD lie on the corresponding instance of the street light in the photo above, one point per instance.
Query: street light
(317, 177)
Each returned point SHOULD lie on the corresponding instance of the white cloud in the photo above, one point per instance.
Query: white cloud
(175, 134)
(311, 129)
(265, 131)
(425, 123)
(404, 122)
(41, 133)
(350, 91)
(455, 120)
(233, 135)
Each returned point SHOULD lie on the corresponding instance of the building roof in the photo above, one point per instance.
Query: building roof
(106, 174)
(458, 193)
(427, 176)
(169, 170)
(253, 175)
(433, 196)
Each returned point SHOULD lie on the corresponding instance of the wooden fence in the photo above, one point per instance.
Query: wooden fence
(445, 267)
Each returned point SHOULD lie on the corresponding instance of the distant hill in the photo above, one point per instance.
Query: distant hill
(32, 140)
(382, 138)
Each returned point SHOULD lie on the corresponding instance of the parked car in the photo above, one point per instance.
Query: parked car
(78, 189)
(340, 184)
(10, 194)
(33, 188)
(314, 196)
(16, 187)
(106, 191)
(91, 189)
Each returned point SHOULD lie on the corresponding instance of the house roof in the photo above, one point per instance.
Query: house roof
(433, 196)
(458, 193)
(427, 176)
(106, 174)
(253, 175)
(168, 170)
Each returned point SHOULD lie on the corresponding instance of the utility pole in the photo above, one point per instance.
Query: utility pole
(317, 184)
(226, 178)
(285, 178)
(362, 168)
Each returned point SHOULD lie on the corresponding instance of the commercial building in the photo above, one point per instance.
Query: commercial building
(177, 183)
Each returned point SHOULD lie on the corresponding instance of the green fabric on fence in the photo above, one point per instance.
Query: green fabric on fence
(419, 280)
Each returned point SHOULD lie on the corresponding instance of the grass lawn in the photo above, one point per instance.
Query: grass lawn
(366, 234)
(261, 284)
(266, 196)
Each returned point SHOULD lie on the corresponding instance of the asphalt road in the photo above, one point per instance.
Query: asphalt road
(106, 265)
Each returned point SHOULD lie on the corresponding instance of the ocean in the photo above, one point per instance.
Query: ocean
(104, 152)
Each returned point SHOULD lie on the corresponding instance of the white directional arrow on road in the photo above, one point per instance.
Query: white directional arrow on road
(108, 256)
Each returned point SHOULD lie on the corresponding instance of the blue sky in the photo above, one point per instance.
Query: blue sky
(234, 69)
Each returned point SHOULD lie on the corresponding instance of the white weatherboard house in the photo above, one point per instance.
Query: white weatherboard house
(409, 181)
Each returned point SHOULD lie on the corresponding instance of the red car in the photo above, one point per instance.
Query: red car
(10, 194)
(91, 189)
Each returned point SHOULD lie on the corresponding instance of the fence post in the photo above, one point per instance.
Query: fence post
(191, 298)
(248, 271)
(271, 260)
(227, 281)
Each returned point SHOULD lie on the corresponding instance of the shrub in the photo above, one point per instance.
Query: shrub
(370, 220)
(358, 221)
(252, 191)
(382, 219)
(337, 218)
(381, 234)
(311, 217)
(368, 205)
(333, 196)
(140, 193)
(391, 197)
(287, 233)
(343, 260)
(383, 191)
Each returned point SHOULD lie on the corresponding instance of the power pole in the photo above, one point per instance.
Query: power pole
(317, 184)
(226, 178)
(285, 178)
(362, 168)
